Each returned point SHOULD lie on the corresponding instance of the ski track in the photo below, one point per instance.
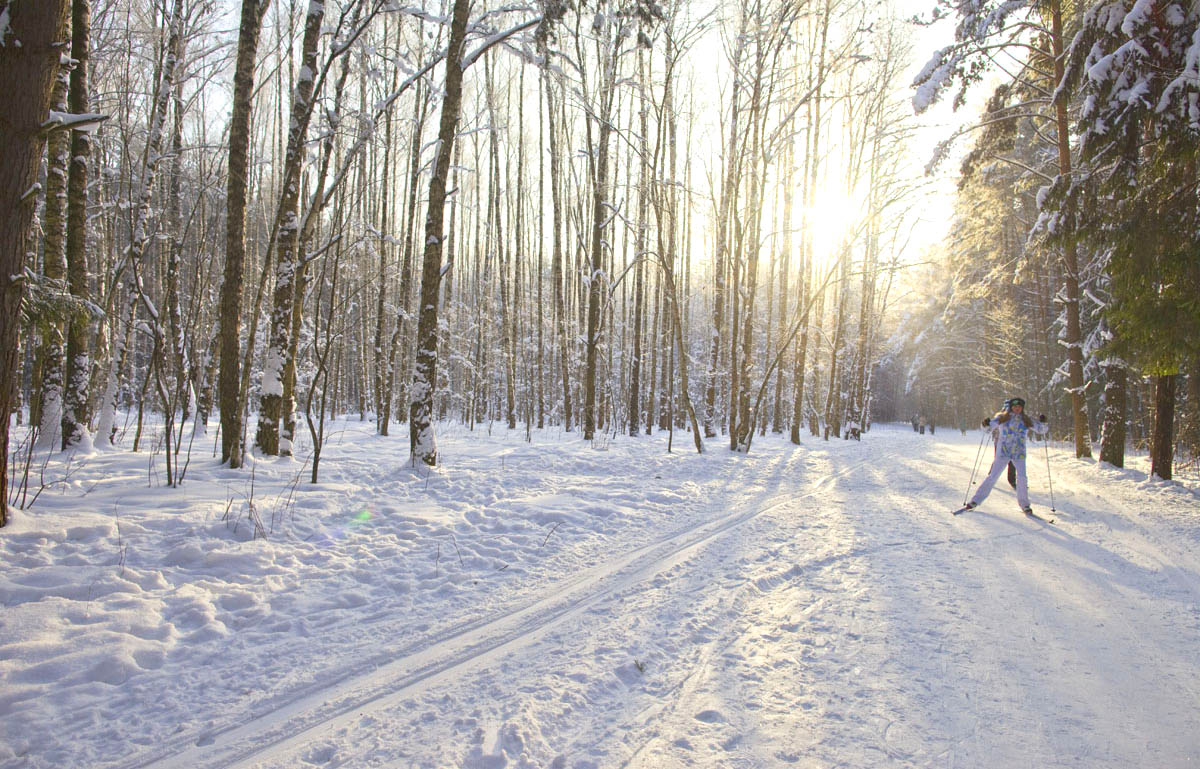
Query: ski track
(812, 606)
(335, 704)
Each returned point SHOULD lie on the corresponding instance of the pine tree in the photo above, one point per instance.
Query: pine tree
(1136, 67)
(986, 26)
(30, 54)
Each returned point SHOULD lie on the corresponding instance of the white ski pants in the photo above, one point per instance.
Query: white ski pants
(999, 464)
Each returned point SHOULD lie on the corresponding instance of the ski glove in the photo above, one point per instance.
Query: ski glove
(1041, 418)
(987, 422)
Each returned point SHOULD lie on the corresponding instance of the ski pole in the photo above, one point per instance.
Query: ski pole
(975, 467)
(1049, 477)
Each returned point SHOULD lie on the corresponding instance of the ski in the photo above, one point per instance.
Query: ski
(1031, 514)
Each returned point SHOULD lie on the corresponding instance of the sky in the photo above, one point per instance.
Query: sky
(931, 218)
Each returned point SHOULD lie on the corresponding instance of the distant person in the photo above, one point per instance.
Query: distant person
(931, 427)
(1009, 428)
(922, 423)
(915, 422)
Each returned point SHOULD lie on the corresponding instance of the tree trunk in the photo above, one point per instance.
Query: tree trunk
(1162, 443)
(720, 288)
(639, 288)
(235, 232)
(383, 375)
(383, 372)
(54, 268)
(76, 402)
(27, 75)
(397, 358)
(1074, 333)
(785, 265)
(556, 261)
(421, 436)
(595, 279)
(278, 354)
(1112, 438)
(833, 400)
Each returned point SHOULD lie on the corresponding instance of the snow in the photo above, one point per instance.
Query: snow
(272, 382)
(545, 604)
(86, 122)
(934, 77)
(50, 433)
(1137, 16)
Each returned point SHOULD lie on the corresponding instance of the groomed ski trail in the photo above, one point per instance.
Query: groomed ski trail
(293, 724)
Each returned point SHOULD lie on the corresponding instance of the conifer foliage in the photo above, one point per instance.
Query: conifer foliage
(1088, 149)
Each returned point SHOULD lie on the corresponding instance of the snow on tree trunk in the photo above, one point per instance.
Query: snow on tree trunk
(279, 349)
(1112, 437)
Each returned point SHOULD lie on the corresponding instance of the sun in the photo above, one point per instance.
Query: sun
(834, 218)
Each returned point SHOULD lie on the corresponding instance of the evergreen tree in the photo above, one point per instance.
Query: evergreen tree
(1136, 65)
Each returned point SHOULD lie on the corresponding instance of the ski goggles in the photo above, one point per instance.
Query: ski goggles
(1015, 402)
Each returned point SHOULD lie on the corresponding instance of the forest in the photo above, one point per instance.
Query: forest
(227, 222)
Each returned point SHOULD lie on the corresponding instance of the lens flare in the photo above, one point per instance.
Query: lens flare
(331, 534)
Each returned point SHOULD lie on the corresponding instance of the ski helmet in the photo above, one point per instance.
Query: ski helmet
(1016, 402)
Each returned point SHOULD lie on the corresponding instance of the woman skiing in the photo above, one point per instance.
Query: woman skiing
(1009, 428)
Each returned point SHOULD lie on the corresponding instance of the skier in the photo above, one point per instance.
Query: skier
(1009, 428)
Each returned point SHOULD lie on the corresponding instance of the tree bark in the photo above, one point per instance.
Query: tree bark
(1162, 442)
(595, 279)
(1112, 437)
(278, 355)
(54, 268)
(27, 73)
(1074, 333)
(422, 442)
(556, 260)
(235, 232)
(77, 413)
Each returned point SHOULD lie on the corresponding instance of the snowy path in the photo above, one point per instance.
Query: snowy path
(814, 607)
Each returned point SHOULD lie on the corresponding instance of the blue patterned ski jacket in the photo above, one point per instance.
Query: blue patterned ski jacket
(1010, 436)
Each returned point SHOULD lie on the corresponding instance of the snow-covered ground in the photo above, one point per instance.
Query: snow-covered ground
(555, 604)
